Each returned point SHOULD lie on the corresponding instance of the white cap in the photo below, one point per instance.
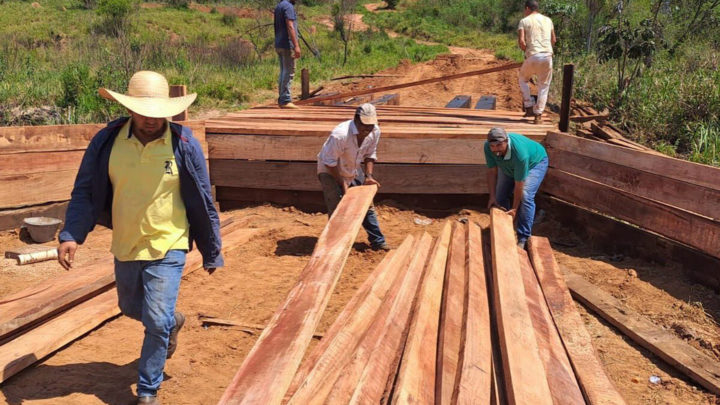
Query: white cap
(367, 113)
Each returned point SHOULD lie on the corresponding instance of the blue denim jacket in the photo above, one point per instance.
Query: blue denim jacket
(91, 198)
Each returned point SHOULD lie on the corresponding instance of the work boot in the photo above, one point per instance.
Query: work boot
(383, 246)
(529, 112)
(148, 400)
(538, 119)
(289, 106)
(172, 344)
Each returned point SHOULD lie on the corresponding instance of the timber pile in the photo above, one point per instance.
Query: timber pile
(419, 330)
(670, 197)
(38, 165)
(40, 320)
(264, 153)
(594, 125)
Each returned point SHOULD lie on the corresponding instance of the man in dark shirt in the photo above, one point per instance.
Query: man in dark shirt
(287, 48)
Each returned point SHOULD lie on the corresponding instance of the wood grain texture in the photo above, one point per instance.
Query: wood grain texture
(474, 387)
(526, 381)
(373, 386)
(561, 378)
(665, 166)
(21, 190)
(267, 371)
(416, 377)
(684, 226)
(394, 178)
(594, 382)
(690, 361)
(453, 313)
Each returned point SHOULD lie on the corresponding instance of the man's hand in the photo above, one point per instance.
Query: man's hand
(210, 270)
(296, 55)
(492, 202)
(512, 213)
(369, 181)
(66, 254)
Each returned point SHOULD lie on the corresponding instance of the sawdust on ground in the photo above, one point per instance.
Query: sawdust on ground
(101, 367)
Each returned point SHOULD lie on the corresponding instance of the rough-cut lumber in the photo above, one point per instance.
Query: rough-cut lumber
(452, 317)
(474, 386)
(690, 361)
(462, 101)
(311, 383)
(267, 371)
(594, 382)
(411, 84)
(525, 377)
(561, 378)
(687, 227)
(394, 178)
(416, 378)
(20, 190)
(382, 363)
(303, 148)
(39, 162)
(680, 194)
(682, 170)
(13, 218)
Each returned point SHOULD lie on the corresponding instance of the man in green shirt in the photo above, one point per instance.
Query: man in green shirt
(523, 164)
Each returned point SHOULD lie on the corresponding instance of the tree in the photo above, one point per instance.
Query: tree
(341, 9)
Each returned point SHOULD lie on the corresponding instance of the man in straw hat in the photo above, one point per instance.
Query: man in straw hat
(145, 177)
(523, 164)
(350, 146)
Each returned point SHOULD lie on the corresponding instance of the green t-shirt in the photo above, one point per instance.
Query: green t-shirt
(523, 153)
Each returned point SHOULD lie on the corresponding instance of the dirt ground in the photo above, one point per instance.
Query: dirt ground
(101, 367)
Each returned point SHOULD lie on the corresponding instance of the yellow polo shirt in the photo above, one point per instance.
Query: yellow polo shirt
(148, 213)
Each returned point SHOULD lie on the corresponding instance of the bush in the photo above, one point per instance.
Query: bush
(116, 15)
(230, 20)
(179, 3)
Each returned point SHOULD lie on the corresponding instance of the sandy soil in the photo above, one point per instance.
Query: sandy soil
(101, 367)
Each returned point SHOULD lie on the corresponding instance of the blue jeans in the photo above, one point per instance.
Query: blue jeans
(525, 215)
(287, 72)
(332, 193)
(147, 292)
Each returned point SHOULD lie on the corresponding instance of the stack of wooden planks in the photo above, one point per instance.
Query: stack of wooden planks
(595, 125)
(42, 319)
(420, 331)
(422, 150)
(38, 165)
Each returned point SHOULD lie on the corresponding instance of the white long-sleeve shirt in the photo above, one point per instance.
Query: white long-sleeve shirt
(341, 149)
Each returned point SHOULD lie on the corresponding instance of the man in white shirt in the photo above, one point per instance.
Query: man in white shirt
(350, 146)
(536, 36)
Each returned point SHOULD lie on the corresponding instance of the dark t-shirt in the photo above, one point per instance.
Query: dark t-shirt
(284, 11)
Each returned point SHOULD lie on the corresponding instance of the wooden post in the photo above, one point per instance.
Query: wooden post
(305, 81)
(568, 73)
(179, 91)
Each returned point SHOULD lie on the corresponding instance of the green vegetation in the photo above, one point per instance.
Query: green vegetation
(58, 58)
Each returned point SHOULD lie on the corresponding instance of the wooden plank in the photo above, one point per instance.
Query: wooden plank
(594, 382)
(382, 363)
(453, 313)
(526, 381)
(690, 197)
(40, 162)
(687, 227)
(303, 148)
(690, 361)
(561, 377)
(416, 377)
(13, 218)
(474, 386)
(179, 90)
(311, 383)
(411, 84)
(486, 103)
(682, 170)
(267, 371)
(462, 101)
(20, 190)
(394, 178)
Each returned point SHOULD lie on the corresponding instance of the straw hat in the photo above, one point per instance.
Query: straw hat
(148, 94)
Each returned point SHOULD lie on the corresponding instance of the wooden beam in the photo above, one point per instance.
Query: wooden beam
(567, 91)
(690, 361)
(695, 173)
(412, 84)
(267, 371)
(179, 90)
(690, 197)
(22, 190)
(453, 313)
(303, 148)
(686, 227)
(395, 178)
(382, 363)
(475, 381)
(417, 375)
(462, 101)
(304, 84)
(13, 218)
(312, 382)
(526, 380)
(561, 377)
(594, 382)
